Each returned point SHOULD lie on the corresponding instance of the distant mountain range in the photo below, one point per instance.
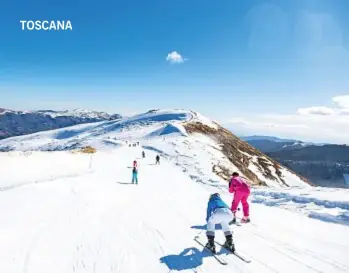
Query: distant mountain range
(16, 123)
(270, 138)
(272, 144)
(322, 164)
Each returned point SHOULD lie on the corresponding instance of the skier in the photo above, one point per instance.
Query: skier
(135, 165)
(135, 175)
(241, 190)
(143, 154)
(157, 160)
(218, 212)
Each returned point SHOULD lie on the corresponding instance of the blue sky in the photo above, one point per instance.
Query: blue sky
(243, 58)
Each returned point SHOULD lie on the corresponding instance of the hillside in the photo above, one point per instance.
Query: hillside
(323, 164)
(178, 135)
(326, 165)
(325, 153)
(15, 123)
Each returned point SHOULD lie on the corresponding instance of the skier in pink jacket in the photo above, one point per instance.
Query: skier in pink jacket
(241, 190)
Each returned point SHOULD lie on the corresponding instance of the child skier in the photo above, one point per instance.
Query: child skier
(157, 160)
(241, 191)
(218, 212)
(134, 175)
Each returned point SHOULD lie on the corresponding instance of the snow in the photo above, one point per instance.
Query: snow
(194, 156)
(168, 130)
(95, 221)
(292, 180)
(326, 204)
(139, 126)
(21, 168)
(204, 120)
(79, 113)
(63, 211)
(289, 179)
(163, 127)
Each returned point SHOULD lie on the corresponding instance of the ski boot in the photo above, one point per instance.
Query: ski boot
(245, 220)
(233, 221)
(229, 243)
(210, 244)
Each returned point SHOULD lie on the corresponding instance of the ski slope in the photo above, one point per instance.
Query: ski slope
(96, 221)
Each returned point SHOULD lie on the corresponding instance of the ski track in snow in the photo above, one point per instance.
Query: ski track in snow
(99, 222)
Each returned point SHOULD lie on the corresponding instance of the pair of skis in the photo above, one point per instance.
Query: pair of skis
(220, 259)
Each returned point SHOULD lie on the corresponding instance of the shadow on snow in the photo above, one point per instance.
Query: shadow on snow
(204, 227)
(189, 258)
(126, 183)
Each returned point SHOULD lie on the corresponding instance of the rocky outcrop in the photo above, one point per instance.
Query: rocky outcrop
(240, 154)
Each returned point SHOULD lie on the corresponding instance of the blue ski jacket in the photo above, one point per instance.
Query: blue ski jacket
(214, 203)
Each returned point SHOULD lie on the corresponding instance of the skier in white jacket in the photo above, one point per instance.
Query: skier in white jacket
(218, 212)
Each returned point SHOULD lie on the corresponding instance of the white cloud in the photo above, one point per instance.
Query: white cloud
(341, 108)
(317, 124)
(175, 58)
(316, 110)
(342, 101)
(238, 121)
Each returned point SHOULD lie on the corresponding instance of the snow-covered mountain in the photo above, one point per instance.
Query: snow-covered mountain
(72, 212)
(14, 123)
(185, 137)
(80, 113)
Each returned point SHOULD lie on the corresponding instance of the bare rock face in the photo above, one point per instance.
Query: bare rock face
(242, 155)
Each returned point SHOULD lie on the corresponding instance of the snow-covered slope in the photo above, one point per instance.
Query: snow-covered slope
(83, 217)
(23, 168)
(186, 137)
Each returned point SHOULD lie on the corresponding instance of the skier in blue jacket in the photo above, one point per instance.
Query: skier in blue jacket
(218, 212)
(134, 175)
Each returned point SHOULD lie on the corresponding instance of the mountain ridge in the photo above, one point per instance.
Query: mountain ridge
(176, 134)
